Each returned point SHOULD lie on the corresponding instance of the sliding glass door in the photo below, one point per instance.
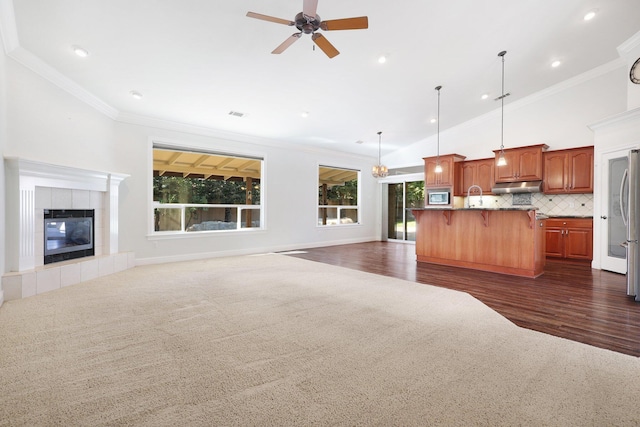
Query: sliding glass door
(402, 197)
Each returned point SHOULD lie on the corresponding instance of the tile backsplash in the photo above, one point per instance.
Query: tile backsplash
(549, 204)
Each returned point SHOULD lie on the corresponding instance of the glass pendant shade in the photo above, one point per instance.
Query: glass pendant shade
(501, 160)
(379, 170)
(438, 168)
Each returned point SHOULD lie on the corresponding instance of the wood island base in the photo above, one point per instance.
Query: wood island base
(507, 241)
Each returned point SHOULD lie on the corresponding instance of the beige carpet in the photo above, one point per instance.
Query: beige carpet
(274, 340)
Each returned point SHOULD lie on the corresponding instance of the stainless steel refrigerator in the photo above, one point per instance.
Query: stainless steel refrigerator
(630, 208)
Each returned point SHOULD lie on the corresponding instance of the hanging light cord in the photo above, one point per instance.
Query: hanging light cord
(438, 89)
(379, 148)
(502, 95)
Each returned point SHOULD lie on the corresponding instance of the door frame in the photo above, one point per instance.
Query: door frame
(394, 179)
(600, 206)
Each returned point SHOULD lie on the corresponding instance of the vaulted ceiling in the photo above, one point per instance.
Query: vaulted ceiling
(196, 61)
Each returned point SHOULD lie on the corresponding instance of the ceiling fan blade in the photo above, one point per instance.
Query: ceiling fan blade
(270, 18)
(285, 44)
(309, 8)
(324, 44)
(359, 23)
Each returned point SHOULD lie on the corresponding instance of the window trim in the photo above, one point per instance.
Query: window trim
(164, 144)
(357, 206)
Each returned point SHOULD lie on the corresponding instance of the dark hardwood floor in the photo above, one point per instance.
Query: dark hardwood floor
(569, 300)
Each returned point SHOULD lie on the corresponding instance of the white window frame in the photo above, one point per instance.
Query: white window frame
(179, 146)
(340, 208)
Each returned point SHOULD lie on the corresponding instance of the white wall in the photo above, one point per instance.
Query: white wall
(3, 142)
(558, 117)
(289, 197)
(47, 124)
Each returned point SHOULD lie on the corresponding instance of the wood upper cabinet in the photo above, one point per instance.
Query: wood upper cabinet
(523, 164)
(569, 238)
(475, 172)
(447, 177)
(568, 171)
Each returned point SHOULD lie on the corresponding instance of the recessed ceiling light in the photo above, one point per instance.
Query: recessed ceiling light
(433, 120)
(305, 114)
(81, 52)
(135, 94)
(590, 15)
(382, 59)
(485, 96)
(556, 64)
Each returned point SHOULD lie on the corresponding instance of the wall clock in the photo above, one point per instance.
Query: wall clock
(634, 73)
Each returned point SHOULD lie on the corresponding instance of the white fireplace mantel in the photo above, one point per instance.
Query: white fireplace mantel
(22, 178)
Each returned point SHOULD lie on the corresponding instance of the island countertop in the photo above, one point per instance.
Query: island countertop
(501, 240)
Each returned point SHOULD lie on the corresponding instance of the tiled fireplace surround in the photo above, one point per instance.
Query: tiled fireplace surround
(33, 187)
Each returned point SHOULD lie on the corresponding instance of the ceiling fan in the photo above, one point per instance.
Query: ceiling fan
(308, 23)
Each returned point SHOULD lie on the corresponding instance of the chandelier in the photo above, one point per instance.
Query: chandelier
(379, 170)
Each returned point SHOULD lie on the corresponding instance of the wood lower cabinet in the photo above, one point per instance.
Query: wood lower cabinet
(568, 171)
(569, 238)
(475, 172)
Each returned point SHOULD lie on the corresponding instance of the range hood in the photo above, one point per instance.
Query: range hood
(517, 187)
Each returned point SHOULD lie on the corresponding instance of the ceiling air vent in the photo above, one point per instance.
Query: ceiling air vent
(236, 113)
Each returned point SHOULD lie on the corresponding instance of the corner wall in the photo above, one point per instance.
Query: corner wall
(3, 144)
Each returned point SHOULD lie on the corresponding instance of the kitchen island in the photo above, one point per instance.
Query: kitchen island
(502, 240)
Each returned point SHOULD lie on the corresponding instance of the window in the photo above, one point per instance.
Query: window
(338, 191)
(195, 191)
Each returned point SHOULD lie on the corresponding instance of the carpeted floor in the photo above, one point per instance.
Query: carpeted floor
(274, 340)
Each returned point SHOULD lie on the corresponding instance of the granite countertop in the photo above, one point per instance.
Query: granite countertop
(478, 208)
(571, 216)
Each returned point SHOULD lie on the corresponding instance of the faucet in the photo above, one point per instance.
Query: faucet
(469, 191)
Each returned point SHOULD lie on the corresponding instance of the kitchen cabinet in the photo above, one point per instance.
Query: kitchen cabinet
(447, 177)
(568, 171)
(523, 164)
(569, 238)
(475, 172)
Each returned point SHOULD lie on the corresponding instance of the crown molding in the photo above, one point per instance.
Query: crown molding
(631, 116)
(8, 29)
(46, 71)
(168, 125)
(629, 45)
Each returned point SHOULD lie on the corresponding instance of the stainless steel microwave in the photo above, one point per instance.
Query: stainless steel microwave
(438, 197)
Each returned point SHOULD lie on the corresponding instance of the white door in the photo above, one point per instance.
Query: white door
(614, 231)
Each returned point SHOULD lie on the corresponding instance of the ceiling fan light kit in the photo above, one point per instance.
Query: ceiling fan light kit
(308, 22)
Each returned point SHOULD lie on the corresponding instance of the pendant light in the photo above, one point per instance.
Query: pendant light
(501, 160)
(438, 168)
(379, 170)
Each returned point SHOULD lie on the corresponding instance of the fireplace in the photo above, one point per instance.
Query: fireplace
(68, 234)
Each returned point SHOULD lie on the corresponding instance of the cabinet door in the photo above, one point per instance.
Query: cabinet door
(446, 177)
(578, 243)
(433, 179)
(507, 173)
(555, 172)
(529, 165)
(430, 175)
(468, 172)
(554, 239)
(485, 175)
(580, 175)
